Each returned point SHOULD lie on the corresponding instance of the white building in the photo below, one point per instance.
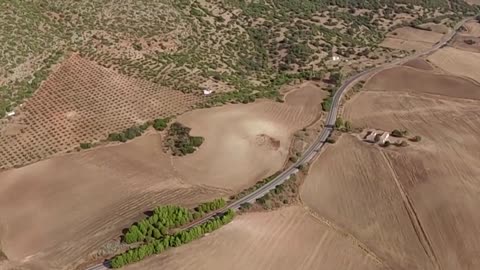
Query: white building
(384, 137)
(10, 114)
(335, 58)
(371, 137)
(207, 92)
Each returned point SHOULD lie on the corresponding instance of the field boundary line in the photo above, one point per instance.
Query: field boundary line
(342, 232)
(413, 216)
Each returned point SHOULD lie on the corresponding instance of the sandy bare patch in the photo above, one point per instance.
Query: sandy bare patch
(243, 143)
(83, 102)
(435, 180)
(419, 63)
(288, 238)
(408, 38)
(56, 212)
(416, 81)
(458, 62)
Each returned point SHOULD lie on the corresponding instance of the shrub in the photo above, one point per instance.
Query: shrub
(160, 124)
(397, 133)
(85, 145)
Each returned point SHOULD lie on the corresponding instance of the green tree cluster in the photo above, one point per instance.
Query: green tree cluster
(180, 142)
(135, 131)
(159, 245)
(211, 206)
(157, 225)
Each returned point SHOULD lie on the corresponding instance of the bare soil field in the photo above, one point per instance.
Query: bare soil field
(419, 63)
(245, 143)
(58, 212)
(408, 38)
(288, 238)
(458, 62)
(83, 102)
(407, 79)
(415, 207)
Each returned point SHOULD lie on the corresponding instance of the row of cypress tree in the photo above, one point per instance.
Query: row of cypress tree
(159, 245)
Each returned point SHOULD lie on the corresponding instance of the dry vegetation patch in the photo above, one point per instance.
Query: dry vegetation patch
(407, 79)
(83, 102)
(58, 212)
(288, 238)
(458, 62)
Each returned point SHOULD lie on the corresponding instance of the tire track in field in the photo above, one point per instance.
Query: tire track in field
(412, 214)
(331, 225)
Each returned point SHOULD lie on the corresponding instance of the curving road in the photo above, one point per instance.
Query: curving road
(313, 149)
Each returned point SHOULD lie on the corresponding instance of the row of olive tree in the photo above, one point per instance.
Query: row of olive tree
(159, 245)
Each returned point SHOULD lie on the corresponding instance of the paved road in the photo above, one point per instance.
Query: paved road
(313, 149)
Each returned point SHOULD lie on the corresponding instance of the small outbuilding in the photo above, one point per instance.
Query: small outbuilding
(207, 92)
(371, 137)
(384, 137)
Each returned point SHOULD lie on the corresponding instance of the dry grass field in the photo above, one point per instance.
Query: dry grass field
(408, 38)
(245, 143)
(56, 212)
(414, 207)
(406, 79)
(285, 239)
(458, 62)
(83, 102)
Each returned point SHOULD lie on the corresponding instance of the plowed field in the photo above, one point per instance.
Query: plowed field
(56, 212)
(83, 102)
(414, 207)
(458, 62)
(285, 239)
(406, 79)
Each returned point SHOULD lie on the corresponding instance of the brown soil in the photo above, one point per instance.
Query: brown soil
(57, 212)
(413, 80)
(462, 42)
(458, 62)
(408, 38)
(473, 28)
(418, 63)
(288, 238)
(243, 143)
(83, 102)
(414, 207)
